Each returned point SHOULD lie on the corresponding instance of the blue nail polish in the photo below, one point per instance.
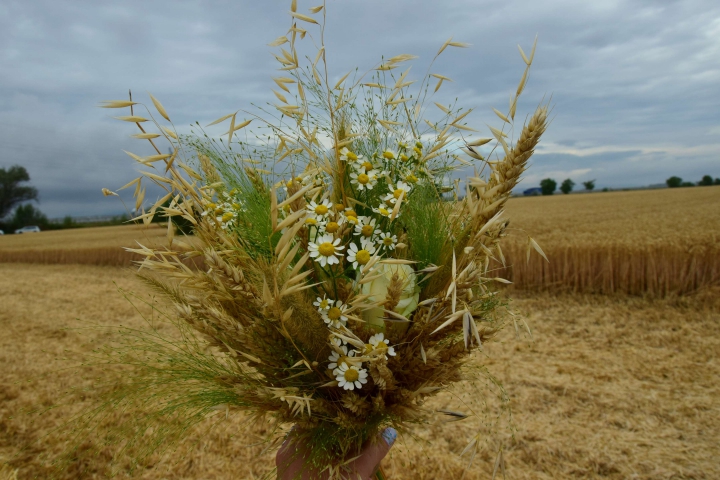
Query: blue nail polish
(389, 435)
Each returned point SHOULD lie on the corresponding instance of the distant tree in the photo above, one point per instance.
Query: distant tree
(26, 215)
(673, 182)
(706, 180)
(11, 192)
(606, 189)
(548, 186)
(182, 225)
(717, 181)
(567, 186)
(589, 185)
(687, 184)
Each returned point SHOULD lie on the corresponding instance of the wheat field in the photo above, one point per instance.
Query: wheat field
(608, 387)
(646, 242)
(84, 246)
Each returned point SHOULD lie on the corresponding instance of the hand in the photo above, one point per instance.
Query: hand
(291, 460)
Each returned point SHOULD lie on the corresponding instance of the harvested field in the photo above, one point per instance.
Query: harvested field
(611, 387)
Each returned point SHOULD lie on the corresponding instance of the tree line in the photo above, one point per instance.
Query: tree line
(548, 186)
(16, 211)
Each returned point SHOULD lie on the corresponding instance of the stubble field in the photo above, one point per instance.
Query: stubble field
(609, 386)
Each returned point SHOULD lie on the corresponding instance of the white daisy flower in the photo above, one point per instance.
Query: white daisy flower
(319, 210)
(326, 250)
(332, 227)
(337, 359)
(360, 256)
(365, 180)
(335, 315)
(385, 210)
(402, 188)
(387, 240)
(348, 156)
(365, 166)
(366, 227)
(379, 342)
(323, 304)
(350, 377)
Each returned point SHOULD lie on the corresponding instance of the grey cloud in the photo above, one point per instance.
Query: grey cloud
(634, 83)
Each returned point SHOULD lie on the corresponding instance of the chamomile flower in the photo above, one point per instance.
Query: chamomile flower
(335, 315)
(360, 256)
(350, 377)
(387, 240)
(364, 180)
(348, 156)
(385, 210)
(401, 189)
(323, 304)
(337, 359)
(333, 226)
(326, 250)
(319, 210)
(365, 166)
(389, 155)
(365, 227)
(379, 342)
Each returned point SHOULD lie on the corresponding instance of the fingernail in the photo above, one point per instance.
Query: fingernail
(389, 435)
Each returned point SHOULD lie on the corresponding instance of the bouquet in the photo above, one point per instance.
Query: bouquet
(339, 270)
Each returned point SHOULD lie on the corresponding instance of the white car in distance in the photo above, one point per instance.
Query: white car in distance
(28, 229)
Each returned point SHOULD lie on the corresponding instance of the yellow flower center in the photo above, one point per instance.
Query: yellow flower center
(387, 241)
(384, 211)
(411, 178)
(382, 348)
(298, 179)
(211, 206)
(351, 213)
(332, 227)
(369, 347)
(286, 208)
(363, 179)
(351, 156)
(398, 192)
(417, 151)
(323, 304)
(326, 249)
(367, 165)
(367, 230)
(311, 221)
(237, 206)
(351, 375)
(227, 217)
(339, 207)
(404, 157)
(289, 184)
(334, 313)
(362, 257)
(352, 219)
(321, 209)
(388, 155)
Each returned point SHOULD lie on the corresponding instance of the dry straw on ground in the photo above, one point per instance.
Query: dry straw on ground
(611, 388)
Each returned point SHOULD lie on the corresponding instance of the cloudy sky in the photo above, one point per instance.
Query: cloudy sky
(635, 84)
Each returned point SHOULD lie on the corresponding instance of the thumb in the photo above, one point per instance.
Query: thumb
(370, 458)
